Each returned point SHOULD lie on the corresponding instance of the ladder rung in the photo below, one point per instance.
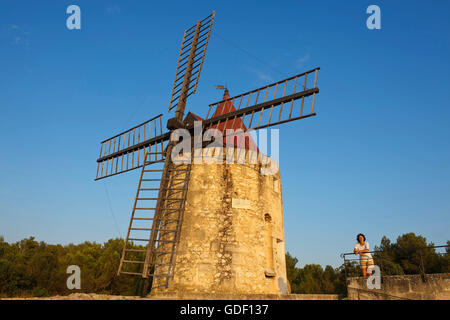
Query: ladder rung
(153, 170)
(144, 208)
(153, 161)
(162, 285)
(178, 172)
(177, 185)
(142, 218)
(133, 273)
(149, 229)
(163, 253)
(178, 176)
(137, 239)
(169, 220)
(174, 188)
(179, 182)
(171, 213)
(147, 189)
(136, 250)
(131, 261)
(165, 240)
(147, 198)
(175, 211)
(151, 180)
(163, 264)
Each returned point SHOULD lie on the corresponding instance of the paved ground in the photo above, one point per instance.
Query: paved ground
(82, 296)
(191, 296)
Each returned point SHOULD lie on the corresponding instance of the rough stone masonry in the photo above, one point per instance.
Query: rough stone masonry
(232, 235)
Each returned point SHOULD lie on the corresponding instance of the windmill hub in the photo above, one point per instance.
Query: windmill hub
(174, 123)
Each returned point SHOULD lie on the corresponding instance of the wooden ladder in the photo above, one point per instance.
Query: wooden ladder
(166, 216)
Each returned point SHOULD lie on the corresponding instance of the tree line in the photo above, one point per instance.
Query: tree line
(32, 268)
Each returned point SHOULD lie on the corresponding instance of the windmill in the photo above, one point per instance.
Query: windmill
(147, 147)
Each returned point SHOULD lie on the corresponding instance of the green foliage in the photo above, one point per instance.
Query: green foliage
(411, 254)
(312, 278)
(31, 268)
(291, 270)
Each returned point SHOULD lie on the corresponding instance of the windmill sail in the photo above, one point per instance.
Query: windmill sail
(190, 60)
(125, 151)
(274, 104)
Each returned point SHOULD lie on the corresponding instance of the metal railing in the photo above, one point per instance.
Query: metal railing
(390, 262)
(390, 259)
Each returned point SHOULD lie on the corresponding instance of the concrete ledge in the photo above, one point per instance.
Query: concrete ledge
(406, 287)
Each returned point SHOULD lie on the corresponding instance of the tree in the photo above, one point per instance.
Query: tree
(291, 270)
(411, 254)
(385, 257)
(313, 279)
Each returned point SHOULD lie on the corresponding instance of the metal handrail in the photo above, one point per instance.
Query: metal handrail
(343, 255)
(420, 249)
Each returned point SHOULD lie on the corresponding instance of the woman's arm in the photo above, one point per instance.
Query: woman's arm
(367, 248)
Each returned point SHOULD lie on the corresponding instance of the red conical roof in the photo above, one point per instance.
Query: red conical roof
(243, 140)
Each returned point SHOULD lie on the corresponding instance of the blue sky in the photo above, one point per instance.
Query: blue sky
(376, 158)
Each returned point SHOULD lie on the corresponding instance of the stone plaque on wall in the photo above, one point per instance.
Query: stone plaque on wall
(276, 185)
(240, 203)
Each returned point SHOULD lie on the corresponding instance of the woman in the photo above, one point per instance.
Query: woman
(365, 258)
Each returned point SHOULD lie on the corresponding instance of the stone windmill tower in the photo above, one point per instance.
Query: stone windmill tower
(210, 215)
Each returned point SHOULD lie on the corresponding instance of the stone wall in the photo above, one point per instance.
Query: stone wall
(430, 287)
(232, 236)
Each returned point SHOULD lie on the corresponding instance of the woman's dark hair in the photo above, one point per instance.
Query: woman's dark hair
(360, 234)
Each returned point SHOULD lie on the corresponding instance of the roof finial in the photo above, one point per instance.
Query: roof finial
(221, 87)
